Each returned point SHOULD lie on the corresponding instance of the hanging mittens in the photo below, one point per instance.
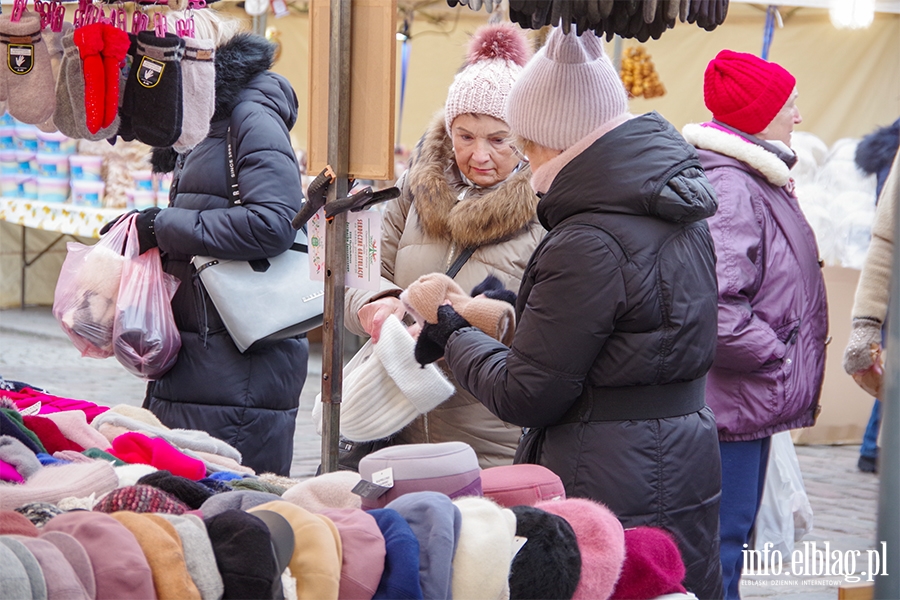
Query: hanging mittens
(198, 81)
(70, 117)
(28, 78)
(126, 131)
(53, 39)
(153, 94)
(89, 39)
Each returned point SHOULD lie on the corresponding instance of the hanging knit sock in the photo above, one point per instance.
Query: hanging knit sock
(89, 39)
(53, 40)
(29, 78)
(115, 48)
(198, 82)
(153, 91)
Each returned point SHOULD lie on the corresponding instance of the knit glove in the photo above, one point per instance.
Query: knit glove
(146, 232)
(863, 347)
(433, 338)
(105, 229)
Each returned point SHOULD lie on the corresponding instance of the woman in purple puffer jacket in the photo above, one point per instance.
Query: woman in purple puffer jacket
(773, 317)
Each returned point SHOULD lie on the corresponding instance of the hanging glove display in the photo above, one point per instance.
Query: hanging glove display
(27, 80)
(198, 87)
(55, 50)
(153, 94)
(69, 117)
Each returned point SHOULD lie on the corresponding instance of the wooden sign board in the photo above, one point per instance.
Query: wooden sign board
(373, 51)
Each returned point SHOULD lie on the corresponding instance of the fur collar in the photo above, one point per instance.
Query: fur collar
(483, 216)
(238, 61)
(718, 140)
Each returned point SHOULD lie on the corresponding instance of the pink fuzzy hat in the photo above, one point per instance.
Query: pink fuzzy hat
(601, 541)
(653, 565)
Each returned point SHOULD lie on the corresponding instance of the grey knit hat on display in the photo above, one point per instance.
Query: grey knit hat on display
(569, 89)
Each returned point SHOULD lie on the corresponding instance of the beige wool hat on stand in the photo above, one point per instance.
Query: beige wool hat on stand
(385, 388)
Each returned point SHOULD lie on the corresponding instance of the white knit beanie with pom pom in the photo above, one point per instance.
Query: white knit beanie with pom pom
(496, 55)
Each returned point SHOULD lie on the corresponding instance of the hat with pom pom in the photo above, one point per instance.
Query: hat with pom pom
(496, 55)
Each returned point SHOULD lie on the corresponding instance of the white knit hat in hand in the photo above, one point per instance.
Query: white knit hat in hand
(385, 388)
(496, 55)
(569, 89)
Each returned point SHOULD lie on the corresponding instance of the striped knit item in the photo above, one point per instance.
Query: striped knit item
(141, 499)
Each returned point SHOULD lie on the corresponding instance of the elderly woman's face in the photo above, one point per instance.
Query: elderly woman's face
(482, 148)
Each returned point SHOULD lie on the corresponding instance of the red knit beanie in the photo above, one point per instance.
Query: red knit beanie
(745, 91)
(653, 565)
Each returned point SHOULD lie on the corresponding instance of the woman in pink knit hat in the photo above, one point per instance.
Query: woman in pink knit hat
(616, 325)
(466, 191)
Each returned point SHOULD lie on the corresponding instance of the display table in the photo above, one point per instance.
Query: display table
(66, 219)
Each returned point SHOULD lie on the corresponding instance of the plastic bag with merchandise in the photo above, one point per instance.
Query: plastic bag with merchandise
(145, 338)
(84, 301)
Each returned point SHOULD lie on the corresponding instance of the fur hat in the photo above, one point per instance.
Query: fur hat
(653, 565)
(385, 388)
(328, 490)
(549, 564)
(423, 297)
(569, 89)
(601, 542)
(496, 55)
(745, 91)
(482, 561)
(141, 499)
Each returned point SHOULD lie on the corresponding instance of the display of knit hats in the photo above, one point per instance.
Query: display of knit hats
(548, 565)
(18, 456)
(316, 560)
(744, 91)
(423, 297)
(59, 575)
(198, 555)
(235, 500)
(436, 523)
(328, 490)
(134, 447)
(569, 89)
(53, 483)
(385, 388)
(601, 541)
(244, 554)
(449, 467)
(283, 544)
(162, 548)
(495, 57)
(653, 565)
(362, 552)
(36, 579)
(76, 556)
(15, 523)
(15, 581)
(482, 560)
(50, 435)
(192, 493)
(400, 578)
(39, 512)
(74, 425)
(141, 499)
(120, 567)
(522, 484)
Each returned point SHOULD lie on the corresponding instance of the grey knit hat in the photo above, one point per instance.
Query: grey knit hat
(569, 89)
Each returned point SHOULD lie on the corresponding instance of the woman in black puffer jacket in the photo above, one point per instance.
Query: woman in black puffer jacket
(249, 400)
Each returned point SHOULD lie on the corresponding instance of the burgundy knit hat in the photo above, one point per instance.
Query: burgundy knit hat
(653, 565)
(745, 91)
(141, 499)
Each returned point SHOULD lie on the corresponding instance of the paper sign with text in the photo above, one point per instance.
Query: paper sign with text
(363, 249)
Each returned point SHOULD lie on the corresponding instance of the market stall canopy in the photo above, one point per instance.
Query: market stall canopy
(889, 6)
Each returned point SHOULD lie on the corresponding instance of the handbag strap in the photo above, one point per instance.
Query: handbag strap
(460, 261)
(234, 194)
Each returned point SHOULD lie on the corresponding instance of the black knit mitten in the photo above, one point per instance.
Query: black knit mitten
(433, 337)
(153, 93)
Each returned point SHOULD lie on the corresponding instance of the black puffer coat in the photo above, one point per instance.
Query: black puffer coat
(248, 400)
(616, 331)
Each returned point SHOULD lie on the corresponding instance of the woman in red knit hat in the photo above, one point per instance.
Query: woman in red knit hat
(770, 355)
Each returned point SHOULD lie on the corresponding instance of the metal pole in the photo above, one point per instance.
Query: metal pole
(258, 23)
(335, 237)
(887, 543)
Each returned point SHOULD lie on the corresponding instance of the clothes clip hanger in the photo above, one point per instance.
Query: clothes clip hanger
(57, 15)
(196, 3)
(118, 18)
(185, 27)
(160, 25)
(140, 21)
(42, 8)
(18, 10)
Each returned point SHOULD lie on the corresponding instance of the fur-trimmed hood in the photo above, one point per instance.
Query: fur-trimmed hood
(876, 151)
(710, 137)
(484, 215)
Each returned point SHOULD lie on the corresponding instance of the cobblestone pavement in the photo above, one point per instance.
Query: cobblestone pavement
(34, 349)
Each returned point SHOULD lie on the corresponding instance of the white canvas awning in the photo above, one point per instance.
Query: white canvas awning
(889, 6)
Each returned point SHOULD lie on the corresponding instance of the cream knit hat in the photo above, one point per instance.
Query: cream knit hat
(385, 388)
(569, 89)
(495, 58)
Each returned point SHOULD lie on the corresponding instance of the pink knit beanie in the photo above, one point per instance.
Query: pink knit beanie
(495, 58)
(569, 89)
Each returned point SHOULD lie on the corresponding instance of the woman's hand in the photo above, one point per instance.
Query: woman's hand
(373, 315)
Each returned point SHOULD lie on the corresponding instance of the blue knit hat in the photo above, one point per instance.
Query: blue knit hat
(401, 562)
